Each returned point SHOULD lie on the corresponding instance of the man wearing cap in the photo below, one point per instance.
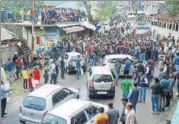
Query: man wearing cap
(113, 114)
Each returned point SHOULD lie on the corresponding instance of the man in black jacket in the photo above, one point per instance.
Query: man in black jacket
(156, 92)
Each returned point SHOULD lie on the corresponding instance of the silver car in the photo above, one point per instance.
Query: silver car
(37, 103)
(110, 61)
(100, 82)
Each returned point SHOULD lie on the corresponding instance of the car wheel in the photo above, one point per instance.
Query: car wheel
(77, 96)
(112, 96)
(91, 96)
(67, 70)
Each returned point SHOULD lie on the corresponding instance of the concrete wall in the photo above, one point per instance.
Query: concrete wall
(15, 29)
(165, 31)
(8, 52)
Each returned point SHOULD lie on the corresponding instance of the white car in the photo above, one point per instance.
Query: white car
(43, 99)
(110, 61)
(74, 112)
(100, 82)
(70, 61)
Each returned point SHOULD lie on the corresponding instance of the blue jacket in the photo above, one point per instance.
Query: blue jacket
(46, 76)
(78, 64)
(10, 66)
(176, 60)
(62, 65)
(127, 65)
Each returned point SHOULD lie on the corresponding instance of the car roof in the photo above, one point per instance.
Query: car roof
(45, 90)
(123, 56)
(73, 53)
(69, 108)
(100, 70)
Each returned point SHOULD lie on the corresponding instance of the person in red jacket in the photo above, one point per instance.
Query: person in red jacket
(36, 77)
(30, 85)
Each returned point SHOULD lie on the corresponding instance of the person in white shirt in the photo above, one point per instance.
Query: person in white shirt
(131, 115)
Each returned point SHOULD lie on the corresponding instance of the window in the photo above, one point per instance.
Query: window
(170, 27)
(91, 111)
(60, 96)
(35, 103)
(50, 119)
(80, 118)
(101, 77)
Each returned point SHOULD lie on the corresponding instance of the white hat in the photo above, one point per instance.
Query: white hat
(16, 53)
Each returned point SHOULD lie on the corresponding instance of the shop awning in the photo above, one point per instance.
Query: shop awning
(88, 25)
(73, 29)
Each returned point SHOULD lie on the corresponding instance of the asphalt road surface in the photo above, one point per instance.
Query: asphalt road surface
(144, 115)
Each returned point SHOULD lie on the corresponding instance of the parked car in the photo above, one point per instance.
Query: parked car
(74, 112)
(70, 61)
(43, 99)
(110, 61)
(100, 82)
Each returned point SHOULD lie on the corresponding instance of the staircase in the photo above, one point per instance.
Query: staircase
(24, 49)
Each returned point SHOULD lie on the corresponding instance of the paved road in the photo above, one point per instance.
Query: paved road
(143, 110)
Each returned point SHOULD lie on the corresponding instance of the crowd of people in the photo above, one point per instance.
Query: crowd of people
(49, 15)
(152, 50)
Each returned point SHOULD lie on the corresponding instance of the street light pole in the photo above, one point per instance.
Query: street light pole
(33, 24)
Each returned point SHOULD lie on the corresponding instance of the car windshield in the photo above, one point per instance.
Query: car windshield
(50, 119)
(101, 77)
(35, 103)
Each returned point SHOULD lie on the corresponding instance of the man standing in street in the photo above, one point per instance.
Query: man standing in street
(131, 115)
(123, 115)
(53, 72)
(156, 91)
(125, 86)
(134, 96)
(143, 87)
(62, 63)
(113, 114)
(127, 67)
(4, 95)
(78, 67)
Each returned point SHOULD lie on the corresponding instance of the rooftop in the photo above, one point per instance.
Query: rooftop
(45, 90)
(68, 108)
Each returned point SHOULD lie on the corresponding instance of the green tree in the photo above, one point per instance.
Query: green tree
(172, 7)
(103, 14)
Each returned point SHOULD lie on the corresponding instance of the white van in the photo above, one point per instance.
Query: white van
(43, 99)
(74, 112)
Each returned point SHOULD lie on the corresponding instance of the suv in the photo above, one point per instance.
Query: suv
(70, 61)
(38, 102)
(74, 112)
(100, 82)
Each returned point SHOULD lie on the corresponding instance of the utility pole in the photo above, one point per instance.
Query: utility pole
(0, 57)
(33, 24)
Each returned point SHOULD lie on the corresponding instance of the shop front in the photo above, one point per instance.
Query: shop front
(46, 38)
